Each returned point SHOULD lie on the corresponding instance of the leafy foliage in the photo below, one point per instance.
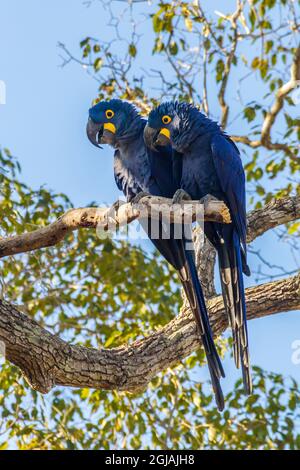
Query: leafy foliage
(69, 288)
(103, 292)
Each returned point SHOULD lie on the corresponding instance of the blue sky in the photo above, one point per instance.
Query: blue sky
(43, 124)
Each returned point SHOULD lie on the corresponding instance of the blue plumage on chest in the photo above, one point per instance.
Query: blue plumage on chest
(199, 176)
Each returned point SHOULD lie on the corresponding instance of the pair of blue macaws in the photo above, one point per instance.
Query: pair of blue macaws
(180, 153)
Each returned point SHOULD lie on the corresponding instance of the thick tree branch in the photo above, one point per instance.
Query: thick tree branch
(46, 360)
(277, 212)
(273, 214)
(108, 218)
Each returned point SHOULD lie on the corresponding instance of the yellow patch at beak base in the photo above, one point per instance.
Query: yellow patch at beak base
(164, 131)
(109, 126)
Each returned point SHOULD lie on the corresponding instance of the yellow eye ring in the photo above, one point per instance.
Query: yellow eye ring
(166, 119)
(109, 113)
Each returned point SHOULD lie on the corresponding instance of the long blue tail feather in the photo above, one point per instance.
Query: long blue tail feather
(243, 330)
(231, 276)
(196, 299)
(182, 260)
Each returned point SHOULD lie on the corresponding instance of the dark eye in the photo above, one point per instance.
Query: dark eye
(166, 119)
(109, 113)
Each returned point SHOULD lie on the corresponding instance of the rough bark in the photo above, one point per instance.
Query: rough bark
(277, 212)
(109, 218)
(46, 360)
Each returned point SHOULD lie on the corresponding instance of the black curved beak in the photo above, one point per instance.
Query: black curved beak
(150, 137)
(155, 138)
(94, 132)
(162, 140)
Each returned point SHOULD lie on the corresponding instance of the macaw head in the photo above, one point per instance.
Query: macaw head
(112, 121)
(177, 124)
(162, 126)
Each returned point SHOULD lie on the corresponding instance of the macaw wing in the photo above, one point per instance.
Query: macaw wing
(229, 168)
(232, 253)
(128, 184)
(124, 180)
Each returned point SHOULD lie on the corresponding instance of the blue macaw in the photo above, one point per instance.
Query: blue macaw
(139, 170)
(211, 165)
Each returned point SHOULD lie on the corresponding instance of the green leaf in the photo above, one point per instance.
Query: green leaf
(250, 113)
(219, 69)
(132, 50)
(189, 24)
(157, 24)
(98, 64)
(173, 48)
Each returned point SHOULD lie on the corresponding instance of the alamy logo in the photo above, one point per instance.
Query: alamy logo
(296, 353)
(2, 92)
(167, 222)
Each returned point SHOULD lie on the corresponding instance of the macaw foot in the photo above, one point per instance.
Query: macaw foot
(206, 199)
(180, 196)
(136, 199)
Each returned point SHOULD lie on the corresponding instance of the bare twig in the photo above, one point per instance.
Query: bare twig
(270, 118)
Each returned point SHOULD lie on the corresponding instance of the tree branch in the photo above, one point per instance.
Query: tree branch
(109, 218)
(281, 94)
(271, 115)
(277, 212)
(46, 360)
(228, 63)
(266, 144)
(273, 214)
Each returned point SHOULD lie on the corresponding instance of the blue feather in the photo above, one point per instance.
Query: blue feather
(138, 168)
(211, 164)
